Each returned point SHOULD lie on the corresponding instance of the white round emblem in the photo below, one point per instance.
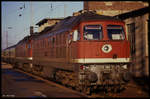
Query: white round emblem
(106, 48)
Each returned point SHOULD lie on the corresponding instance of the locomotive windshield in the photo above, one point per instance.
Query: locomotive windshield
(92, 32)
(115, 32)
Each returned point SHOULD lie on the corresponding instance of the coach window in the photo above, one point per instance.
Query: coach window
(64, 38)
(43, 43)
(9, 53)
(93, 32)
(40, 43)
(28, 45)
(37, 43)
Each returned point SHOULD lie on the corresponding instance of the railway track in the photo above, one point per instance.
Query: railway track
(131, 90)
(51, 82)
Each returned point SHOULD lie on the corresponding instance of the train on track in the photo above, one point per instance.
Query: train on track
(86, 52)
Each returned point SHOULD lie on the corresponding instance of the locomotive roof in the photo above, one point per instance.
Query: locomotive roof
(28, 37)
(71, 21)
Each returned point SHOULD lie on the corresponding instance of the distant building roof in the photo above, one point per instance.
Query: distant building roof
(46, 19)
(48, 28)
(133, 13)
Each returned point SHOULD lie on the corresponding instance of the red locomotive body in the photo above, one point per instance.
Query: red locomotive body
(92, 51)
(88, 48)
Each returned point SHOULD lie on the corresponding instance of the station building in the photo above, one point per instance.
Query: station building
(47, 22)
(136, 17)
(112, 8)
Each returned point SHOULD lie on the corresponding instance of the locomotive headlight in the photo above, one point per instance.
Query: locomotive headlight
(124, 66)
(30, 58)
(107, 67)
(106, 48)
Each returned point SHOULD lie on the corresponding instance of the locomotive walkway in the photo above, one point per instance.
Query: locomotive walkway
(19, 84)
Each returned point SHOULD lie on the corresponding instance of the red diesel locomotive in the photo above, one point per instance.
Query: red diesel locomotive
(86, 52)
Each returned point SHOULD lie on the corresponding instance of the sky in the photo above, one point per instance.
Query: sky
(17, 16)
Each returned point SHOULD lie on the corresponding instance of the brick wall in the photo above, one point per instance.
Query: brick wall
(140, 65)
(116, 7)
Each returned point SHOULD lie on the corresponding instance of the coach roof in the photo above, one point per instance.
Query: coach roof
(13, 46)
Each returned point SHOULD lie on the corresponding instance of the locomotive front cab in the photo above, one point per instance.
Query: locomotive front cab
(103, 53)
(108, 39)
